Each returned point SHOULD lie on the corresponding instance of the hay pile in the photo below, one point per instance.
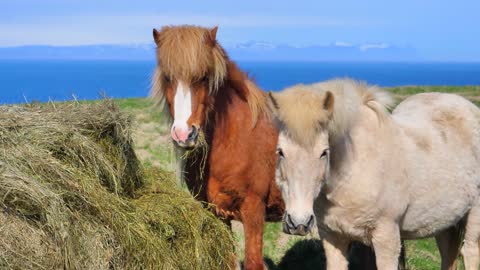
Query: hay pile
(74, 196)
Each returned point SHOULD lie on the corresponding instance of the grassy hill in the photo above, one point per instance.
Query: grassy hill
(154, 148)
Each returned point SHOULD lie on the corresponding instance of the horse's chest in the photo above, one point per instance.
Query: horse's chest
(356, 224)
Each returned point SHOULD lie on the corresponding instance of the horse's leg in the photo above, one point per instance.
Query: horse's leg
(336, 252)
(449, 242)
(387, 245)
(471, 251)
(252, 212)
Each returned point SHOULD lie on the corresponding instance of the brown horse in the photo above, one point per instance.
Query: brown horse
(206, 93)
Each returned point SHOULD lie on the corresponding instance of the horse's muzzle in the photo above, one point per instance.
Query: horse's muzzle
(190, 141)
(290, 227)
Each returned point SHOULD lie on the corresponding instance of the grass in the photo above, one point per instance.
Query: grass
(136, 105)
(470, 92)
(421, 254)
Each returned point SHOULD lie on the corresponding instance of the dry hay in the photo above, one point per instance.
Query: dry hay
(74, 196)
(198, 155)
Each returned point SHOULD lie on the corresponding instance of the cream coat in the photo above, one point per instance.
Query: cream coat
(411, 174)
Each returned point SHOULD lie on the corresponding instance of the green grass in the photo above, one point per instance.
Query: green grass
(470, 92)
(280, 252)
(423, 255)
(410, 90)
(276, 244)
(143, 105)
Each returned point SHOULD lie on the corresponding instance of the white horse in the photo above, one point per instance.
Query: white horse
(377, 177)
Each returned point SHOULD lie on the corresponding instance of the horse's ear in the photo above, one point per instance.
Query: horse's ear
(156, 36)
(328, 102)
(212, 36)
(272, 102)
(213, 33)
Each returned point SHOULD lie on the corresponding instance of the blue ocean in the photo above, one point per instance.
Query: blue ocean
(26, 81)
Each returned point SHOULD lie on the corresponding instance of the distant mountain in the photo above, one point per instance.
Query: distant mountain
(338, 51)
(248, 51)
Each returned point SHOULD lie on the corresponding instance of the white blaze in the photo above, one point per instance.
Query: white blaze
(182, 106)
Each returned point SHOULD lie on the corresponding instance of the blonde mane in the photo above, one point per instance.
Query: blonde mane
(300, 109)
(187, 52)
(257, 101)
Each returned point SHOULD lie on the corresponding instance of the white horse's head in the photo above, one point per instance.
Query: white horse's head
(314, 119)
(300, 174)
(303, 153)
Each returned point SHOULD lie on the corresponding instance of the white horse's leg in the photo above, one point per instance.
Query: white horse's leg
(336, 252)
(471, 251)
(387, 245)
(449, 242)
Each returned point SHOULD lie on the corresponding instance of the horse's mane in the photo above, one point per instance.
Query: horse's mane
(187, 52)
(301, 112)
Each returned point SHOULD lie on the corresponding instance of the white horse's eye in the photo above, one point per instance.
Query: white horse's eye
(324, 153)
(280, 152)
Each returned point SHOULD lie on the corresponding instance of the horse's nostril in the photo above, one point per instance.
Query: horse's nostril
(310, 221)
(290, 222)
(193, 134)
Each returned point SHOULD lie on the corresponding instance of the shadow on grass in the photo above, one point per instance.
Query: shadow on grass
(309, 255)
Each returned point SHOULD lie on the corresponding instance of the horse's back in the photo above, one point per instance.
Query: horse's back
(441, 138)
(431, 101)
(448, 119)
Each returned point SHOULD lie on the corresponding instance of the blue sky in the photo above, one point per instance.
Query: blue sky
(438, 30)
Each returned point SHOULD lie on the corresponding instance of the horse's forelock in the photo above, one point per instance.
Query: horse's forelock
(302, 115)
(187, 52)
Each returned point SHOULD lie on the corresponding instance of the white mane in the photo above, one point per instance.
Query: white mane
(300, 108)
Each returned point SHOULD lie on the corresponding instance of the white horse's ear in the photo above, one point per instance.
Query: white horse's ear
(328, 102)
(272, 102)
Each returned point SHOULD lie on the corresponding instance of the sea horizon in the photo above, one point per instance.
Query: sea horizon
(30, 80)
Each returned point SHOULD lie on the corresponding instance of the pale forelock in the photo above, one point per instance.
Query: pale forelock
(301, 113)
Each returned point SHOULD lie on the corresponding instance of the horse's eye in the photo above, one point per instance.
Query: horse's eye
(324, 153)
(280, 152)
(204, 79)
(166, 78)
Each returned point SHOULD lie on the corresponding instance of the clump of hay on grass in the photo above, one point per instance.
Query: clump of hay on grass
(74, 196)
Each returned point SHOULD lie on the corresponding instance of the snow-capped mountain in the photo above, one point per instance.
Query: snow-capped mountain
(246, 51)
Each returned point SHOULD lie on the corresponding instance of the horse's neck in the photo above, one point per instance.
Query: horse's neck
(349, 151)
(231, 112)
